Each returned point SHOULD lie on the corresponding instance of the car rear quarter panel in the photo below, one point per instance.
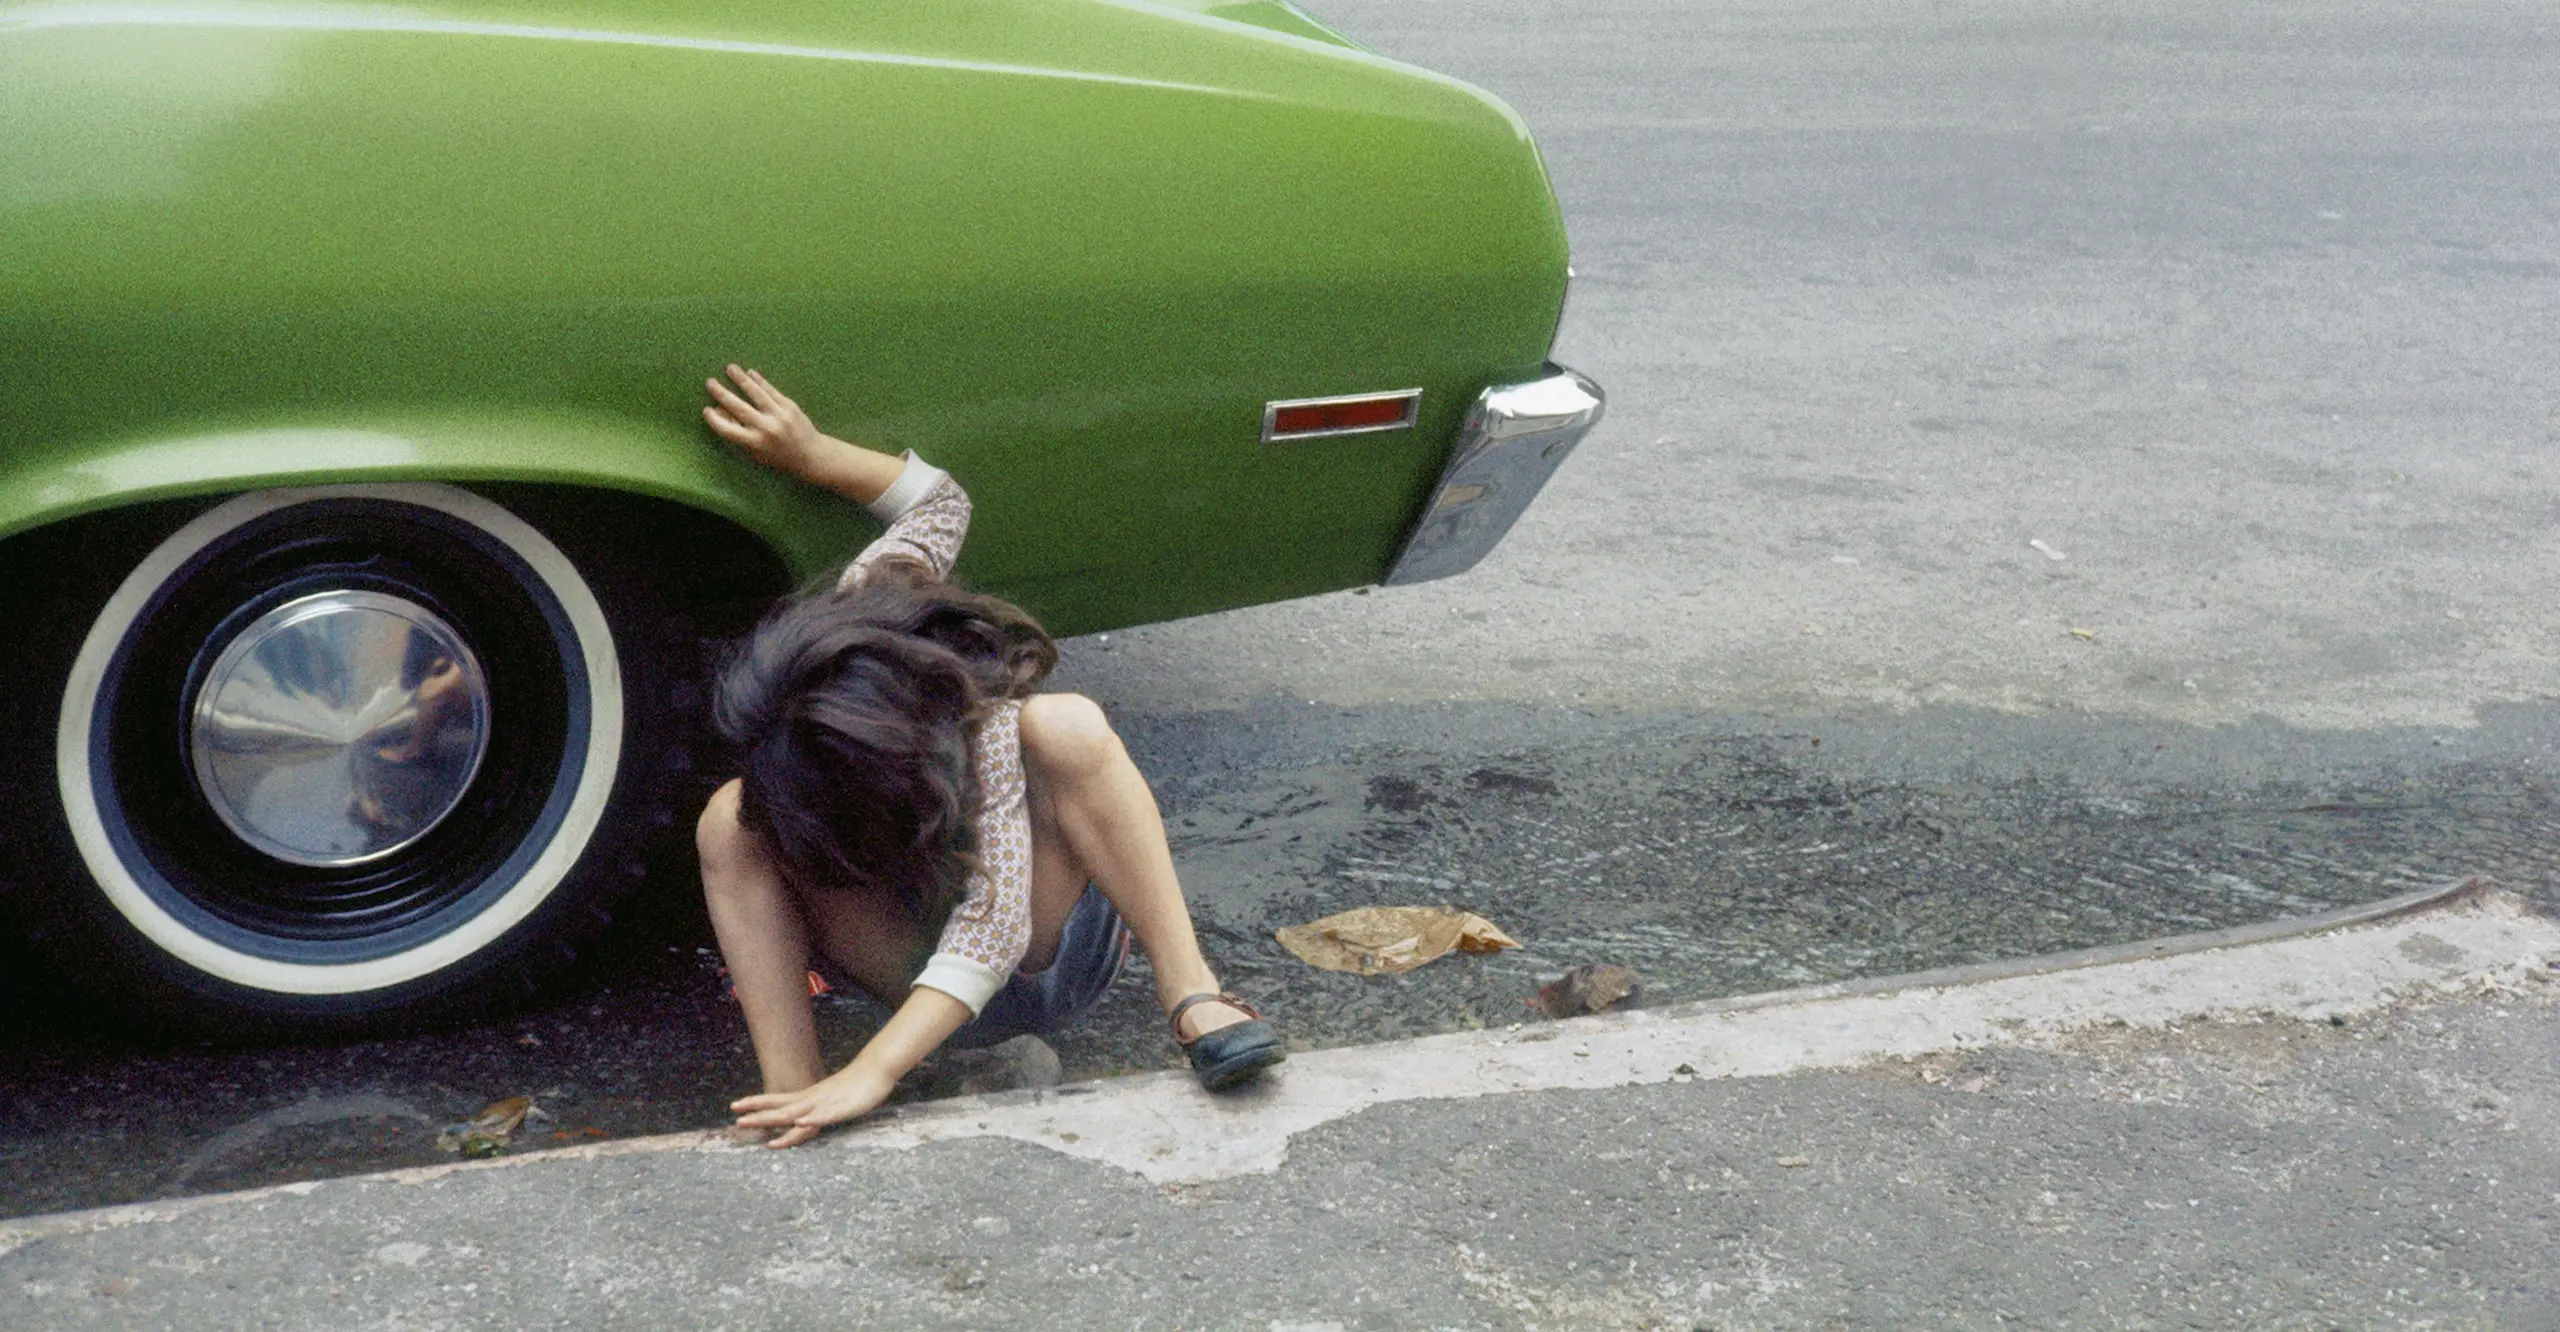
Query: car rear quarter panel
(1067, 250)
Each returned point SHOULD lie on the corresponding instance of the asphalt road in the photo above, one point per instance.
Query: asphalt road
(2242, 313)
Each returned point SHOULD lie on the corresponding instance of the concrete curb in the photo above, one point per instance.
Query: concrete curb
(2459, 936)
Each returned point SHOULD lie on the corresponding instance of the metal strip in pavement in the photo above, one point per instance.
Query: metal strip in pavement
(2458, 937)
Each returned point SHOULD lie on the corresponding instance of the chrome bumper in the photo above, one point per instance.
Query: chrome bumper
(1514, 436)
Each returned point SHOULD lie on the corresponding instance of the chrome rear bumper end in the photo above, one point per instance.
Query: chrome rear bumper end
(1514, 437)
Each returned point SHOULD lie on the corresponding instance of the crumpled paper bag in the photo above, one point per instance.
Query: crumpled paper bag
(1381, 941)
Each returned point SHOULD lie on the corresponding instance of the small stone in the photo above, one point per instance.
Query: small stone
(992, 1225)
(1020, 1064)
(1791, 1162)
(1593, 987)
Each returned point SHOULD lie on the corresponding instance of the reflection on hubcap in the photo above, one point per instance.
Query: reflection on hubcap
(339, 728)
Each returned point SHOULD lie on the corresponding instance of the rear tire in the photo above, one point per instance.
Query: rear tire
(166, 911)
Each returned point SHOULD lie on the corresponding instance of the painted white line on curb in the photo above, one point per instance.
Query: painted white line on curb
(1162, 1127)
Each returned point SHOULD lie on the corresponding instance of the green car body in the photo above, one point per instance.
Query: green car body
(1066, 250)
(351, 467)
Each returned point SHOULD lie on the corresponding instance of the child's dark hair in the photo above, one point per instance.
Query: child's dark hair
(850, 711)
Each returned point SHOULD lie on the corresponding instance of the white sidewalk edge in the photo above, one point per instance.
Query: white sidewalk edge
(2465, 936)
(1159, 1126)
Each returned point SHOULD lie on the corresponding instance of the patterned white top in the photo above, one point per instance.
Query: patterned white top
(928, 516)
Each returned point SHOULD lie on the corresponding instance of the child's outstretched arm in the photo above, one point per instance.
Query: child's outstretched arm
(927, 512)
(772, 429)
(921, 1025)
(981, 945)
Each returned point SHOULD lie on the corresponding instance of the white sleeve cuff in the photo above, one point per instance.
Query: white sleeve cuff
(907, 491)
(971, 982)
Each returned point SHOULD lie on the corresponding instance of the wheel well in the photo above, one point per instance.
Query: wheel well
(716, 572)
(720, 574)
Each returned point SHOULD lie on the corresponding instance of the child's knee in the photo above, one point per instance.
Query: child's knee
(1069, 735)
(719, 837)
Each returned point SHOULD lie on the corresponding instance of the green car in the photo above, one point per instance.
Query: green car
(361, 533)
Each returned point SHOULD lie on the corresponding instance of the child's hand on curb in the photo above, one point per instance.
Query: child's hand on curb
(847, 1094)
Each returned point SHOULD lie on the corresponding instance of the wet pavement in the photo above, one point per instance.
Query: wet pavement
(1714, 856)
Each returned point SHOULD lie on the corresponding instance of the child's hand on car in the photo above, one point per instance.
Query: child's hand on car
(771, 428)
(752, 414)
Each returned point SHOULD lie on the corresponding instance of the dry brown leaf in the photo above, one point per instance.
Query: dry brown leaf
(486, 1133)
(1382, 941)
(500, 1118)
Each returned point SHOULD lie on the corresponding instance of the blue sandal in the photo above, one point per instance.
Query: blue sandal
(1231, 1055)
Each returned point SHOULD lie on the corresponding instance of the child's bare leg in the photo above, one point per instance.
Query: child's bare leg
(767, 931)
(1107, 816)
(765, 941)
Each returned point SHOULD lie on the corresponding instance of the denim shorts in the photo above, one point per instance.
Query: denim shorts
(1091, 951)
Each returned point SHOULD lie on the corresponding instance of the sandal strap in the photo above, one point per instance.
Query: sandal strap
(1174, 1018)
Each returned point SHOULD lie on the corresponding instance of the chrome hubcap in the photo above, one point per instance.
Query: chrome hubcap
(340, 728)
